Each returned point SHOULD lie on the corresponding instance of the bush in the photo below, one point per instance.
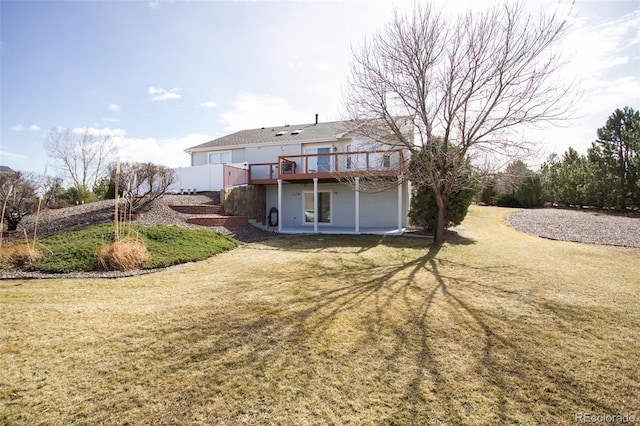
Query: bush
(80, 195)
(488, 194)
(126, 254)
(506, 200)
(18, 255)
(529, 193)
(424, 210)
(140, 183)
(17, 197)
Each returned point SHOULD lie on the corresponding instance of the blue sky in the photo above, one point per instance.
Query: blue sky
(163, 76)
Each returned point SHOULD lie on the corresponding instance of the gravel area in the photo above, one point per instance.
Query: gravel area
(594, 227)
(70, 218)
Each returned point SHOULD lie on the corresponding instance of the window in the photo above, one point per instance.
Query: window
(324, 207)
(222, 157)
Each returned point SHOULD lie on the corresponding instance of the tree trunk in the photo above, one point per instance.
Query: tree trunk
(438, 230)
(12, 223)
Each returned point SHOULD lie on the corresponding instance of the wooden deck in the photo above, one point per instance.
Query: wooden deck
(330, 166)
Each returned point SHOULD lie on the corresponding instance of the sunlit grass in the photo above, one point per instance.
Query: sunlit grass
(498, 328)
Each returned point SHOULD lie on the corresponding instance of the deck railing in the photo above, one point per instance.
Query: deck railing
(329, 165)
(234, 176)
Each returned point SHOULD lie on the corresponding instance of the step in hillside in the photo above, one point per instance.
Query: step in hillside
(209, 215)
(227, 221)
(199, 209)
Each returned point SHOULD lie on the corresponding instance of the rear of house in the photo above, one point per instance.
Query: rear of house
(313, 177)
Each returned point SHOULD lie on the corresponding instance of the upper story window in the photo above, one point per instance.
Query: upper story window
(221, 157)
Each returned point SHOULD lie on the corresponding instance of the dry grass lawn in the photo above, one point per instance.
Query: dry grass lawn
(498, 327)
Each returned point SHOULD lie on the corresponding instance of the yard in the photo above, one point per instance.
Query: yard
(495, 327)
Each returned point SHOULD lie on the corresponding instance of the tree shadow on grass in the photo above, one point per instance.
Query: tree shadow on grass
(271, 352)
(360, 243)
(499, 377)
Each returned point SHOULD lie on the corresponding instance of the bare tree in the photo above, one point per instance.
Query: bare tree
(464, 84)
(17, 197)
(81, 154)
(142, 183)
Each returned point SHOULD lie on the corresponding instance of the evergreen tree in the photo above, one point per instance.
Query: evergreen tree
(616, 153)
(529, 193)
(550, 176)
(572, 179)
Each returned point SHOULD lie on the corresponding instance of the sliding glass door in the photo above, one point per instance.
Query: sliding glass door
(324, 207)
(319, 163)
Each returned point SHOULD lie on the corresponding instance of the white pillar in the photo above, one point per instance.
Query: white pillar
(279, 205)
(400, 179)
(357, 204)
(315, 205)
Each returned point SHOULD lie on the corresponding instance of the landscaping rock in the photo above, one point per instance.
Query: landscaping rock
(585, 226)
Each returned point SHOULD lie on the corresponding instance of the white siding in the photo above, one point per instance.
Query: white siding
(270, 154)
(376, 210)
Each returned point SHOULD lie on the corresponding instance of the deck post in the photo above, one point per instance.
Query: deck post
(357, 204)
(315, 205)
(279, 205)
(400, 179)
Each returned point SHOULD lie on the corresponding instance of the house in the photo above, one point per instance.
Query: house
(309, 178)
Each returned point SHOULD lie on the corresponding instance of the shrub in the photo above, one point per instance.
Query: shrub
(140, 184)
(81, 195)
(506, 200)
(17, 197)
(17, 255)
(424, 210)
(529, 193)
(126, 254)
(488, 194)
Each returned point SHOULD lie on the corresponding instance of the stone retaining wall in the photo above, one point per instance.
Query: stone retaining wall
(249, 201)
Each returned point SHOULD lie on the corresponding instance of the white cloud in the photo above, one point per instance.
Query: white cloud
(604, 65)
(106, 131)
(11, 155)
(209, 104)
(607, 46)
(153, 5)
(168, 152)
(251, 110)
(21, 128)
(160, 94)
(116, 109)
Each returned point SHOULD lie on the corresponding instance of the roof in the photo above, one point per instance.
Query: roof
(275, 135)
(5, 169)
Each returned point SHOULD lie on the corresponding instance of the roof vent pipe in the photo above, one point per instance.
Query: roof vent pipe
(316, 119)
